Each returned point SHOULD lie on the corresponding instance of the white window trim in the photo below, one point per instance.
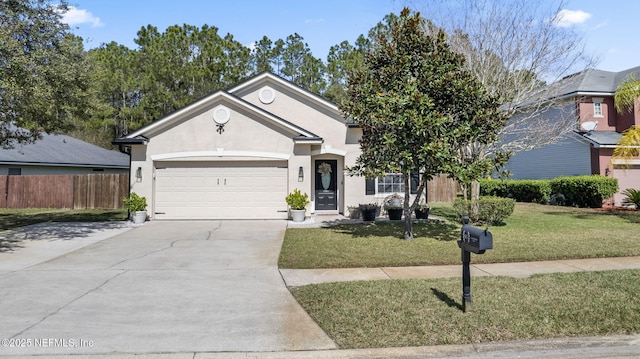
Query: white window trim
(385, 194)
(597, 103)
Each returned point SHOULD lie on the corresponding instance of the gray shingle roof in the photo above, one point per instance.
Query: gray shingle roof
(602, 138)
(64, 150)
(593, 80)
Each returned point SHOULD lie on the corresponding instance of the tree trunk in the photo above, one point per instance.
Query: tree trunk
(475, 196)
(408, 223)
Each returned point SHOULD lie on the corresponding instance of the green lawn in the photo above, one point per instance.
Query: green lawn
(534, 232)
(396, 313)
(13, 218)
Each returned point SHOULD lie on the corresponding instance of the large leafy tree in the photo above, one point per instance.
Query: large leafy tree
(43, 71)
(418, 107)
(627, 93)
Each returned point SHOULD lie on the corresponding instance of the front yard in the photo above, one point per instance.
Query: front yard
(394, 313)
(533, 233)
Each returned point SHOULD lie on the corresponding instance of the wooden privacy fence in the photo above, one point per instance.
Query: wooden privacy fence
(442, 189)
(91, 191)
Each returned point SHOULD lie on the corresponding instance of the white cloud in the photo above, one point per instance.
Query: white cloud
(75, 16)
(568, 18)
(313, 21)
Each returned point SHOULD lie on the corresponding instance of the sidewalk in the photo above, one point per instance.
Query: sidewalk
(299, 277)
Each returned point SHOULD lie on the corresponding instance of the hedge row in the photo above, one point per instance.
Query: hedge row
(490, 210)
(579, 191)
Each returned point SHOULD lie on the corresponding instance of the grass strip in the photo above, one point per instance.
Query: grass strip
(395, 313)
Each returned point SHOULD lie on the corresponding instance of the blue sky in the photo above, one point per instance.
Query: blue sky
(608, 27)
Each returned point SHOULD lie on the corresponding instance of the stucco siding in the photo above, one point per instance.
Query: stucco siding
(568, 157)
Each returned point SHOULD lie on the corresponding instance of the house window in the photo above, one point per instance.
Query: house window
(15, 171)
(597, 107)
(391, 183)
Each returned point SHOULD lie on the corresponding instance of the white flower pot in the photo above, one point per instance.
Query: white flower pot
(139, 217)
(298, 215)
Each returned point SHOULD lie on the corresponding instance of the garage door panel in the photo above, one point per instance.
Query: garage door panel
(221, 191)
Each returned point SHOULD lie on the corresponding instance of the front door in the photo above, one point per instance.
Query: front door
(326, 184)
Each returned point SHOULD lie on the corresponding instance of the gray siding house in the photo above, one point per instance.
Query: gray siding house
(61, 154)
(598, 127)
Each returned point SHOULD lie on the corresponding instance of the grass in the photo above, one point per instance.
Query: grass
(532, 233)
(13, 218)
(397, 313)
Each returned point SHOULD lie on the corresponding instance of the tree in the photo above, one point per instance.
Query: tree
(417, 107)
(628, 147)
(514, 48)
(341, 59)
(263, 55)
(43, 71)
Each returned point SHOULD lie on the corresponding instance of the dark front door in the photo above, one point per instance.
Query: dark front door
(326, 184)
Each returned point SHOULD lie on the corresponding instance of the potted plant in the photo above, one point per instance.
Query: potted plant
(394, 205)
(297, 202)
(369, 211)
(422, 210)
(137, 207)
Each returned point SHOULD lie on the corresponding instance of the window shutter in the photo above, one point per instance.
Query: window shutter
(370, 187)
(414, 182)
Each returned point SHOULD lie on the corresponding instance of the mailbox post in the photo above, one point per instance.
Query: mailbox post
(476, 240)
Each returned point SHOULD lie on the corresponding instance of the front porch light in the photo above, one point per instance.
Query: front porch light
(300, 174)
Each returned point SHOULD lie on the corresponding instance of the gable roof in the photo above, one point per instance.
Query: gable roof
(63, 150)
(138, 137)
(269, 78)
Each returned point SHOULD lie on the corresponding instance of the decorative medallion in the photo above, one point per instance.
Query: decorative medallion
(221, 116)
(267, 95)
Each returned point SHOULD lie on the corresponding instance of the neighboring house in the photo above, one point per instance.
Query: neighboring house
(236, 154)
(61, 154)
(588, 150)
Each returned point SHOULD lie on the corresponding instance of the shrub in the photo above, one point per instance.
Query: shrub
(491, 210)
(632, 197)
(134, 202)
(297, 200)
(537, 191)
(585, 191)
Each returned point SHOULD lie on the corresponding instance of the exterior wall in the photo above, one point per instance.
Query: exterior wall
(629, 118)
(628, 177)
(303, 114)
(606, 122)
(195, 139)
(58, 170)
(568, 157)
(602, 158)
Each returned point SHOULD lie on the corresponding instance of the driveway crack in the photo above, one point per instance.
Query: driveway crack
(69, 303)
(146, 254)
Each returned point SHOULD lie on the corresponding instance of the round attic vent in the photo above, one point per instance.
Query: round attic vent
(267, 95)
(221, 115)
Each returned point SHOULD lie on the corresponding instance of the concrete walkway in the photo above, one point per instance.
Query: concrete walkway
(299, 277)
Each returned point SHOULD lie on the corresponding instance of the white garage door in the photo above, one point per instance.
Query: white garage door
(221, 190)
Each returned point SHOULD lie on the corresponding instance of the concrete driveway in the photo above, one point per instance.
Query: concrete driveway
(188, 286)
